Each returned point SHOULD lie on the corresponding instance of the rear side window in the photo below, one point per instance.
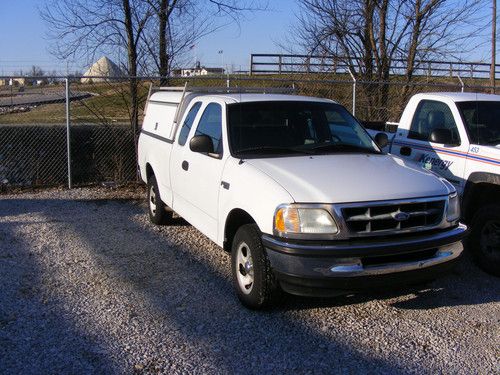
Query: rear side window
(211, 124)
(432, 115)
(188, 123)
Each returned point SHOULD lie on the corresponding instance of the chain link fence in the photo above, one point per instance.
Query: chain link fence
(80, 130)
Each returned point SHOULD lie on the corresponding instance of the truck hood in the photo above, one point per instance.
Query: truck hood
(343, 178)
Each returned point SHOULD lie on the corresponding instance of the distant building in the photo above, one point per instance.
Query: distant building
(18, 81)
(102, 68)
(198, 71)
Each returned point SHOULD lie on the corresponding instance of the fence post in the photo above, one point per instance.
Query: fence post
(68, 137)
(353, 92)
(461, 82)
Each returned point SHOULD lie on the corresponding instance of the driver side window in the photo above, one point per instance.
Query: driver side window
(429, 116)
(211, 125)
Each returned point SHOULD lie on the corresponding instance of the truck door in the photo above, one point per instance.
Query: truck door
(418, 143)
(196, 177)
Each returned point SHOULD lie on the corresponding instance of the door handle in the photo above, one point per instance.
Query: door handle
(185, 165)
(405, 151)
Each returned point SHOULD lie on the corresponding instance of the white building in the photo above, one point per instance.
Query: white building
(198, 71)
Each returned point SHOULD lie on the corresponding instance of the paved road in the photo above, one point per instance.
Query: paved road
(40, 98)
(90, 286)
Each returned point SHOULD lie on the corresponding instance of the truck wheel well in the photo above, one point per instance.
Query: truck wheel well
(149, 171)
(479, 195)
(234, 221)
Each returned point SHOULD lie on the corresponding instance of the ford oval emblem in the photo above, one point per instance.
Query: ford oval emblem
(401, 216)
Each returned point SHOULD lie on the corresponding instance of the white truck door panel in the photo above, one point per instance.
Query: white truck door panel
(412, 140)
(196, 177)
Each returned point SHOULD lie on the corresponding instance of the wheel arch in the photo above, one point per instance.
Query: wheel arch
(235, 219)
(481, 188)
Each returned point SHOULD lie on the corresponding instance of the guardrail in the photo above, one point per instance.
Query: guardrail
(290, 64)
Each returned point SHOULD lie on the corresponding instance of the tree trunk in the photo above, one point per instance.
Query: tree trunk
(162, 42)
(132, 67)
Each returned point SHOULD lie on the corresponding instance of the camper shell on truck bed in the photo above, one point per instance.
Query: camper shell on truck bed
(297, 191)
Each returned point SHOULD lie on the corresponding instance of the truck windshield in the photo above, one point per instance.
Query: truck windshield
(295, 127)
(482, 121)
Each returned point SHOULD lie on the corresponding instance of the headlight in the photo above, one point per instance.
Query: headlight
(453, 212)
(295, 220)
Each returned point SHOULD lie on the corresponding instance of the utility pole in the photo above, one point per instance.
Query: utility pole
(493, 46)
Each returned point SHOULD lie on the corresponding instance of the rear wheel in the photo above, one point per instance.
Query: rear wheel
(484, 239)
(156, 208)
(253, 278)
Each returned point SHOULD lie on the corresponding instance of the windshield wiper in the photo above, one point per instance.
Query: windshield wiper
(275, 149)
(344, 147)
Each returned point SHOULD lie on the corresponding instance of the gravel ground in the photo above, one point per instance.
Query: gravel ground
(90, 286)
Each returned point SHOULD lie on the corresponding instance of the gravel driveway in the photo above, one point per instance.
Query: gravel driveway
(88, 285)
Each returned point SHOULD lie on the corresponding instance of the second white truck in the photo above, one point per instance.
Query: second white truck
(457, 136)
(297, 191)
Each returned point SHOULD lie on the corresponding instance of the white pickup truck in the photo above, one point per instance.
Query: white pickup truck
(457, 135)
(297, 191)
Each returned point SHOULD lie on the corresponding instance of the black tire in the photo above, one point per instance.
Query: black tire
(484, 239)
(156, 208)
(264, 288)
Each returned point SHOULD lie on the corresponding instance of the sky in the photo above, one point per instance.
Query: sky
(23, 40)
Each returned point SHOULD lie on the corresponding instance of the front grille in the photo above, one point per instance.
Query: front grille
(393, 217)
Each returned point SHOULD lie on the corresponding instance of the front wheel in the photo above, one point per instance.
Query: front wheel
(484, 239)
(253, 278)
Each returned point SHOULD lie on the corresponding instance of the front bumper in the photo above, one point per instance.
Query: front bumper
(339, 267)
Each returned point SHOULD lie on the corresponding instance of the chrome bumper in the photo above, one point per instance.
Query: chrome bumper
(366, 262)
(353, 267)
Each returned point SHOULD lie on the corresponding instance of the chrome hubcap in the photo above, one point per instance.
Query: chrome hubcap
(490, 237)
(244, 268)
(152, 200)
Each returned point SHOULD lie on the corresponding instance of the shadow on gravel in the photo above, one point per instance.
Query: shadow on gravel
(36, 336)
(170, 268)
(466, 285)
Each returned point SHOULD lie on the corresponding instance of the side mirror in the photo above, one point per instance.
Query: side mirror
(202, 144)
(441, 135)
(381, 140)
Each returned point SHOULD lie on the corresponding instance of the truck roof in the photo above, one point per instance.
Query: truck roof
(460, 96)
(175, 97)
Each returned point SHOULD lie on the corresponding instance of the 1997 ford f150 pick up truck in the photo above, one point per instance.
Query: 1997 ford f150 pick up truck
(457, 136)
(297, 191)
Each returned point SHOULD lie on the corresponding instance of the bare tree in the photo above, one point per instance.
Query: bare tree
(179, 24)
(36, 71)
(149, 32)
(369, 36)
(84, 28)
